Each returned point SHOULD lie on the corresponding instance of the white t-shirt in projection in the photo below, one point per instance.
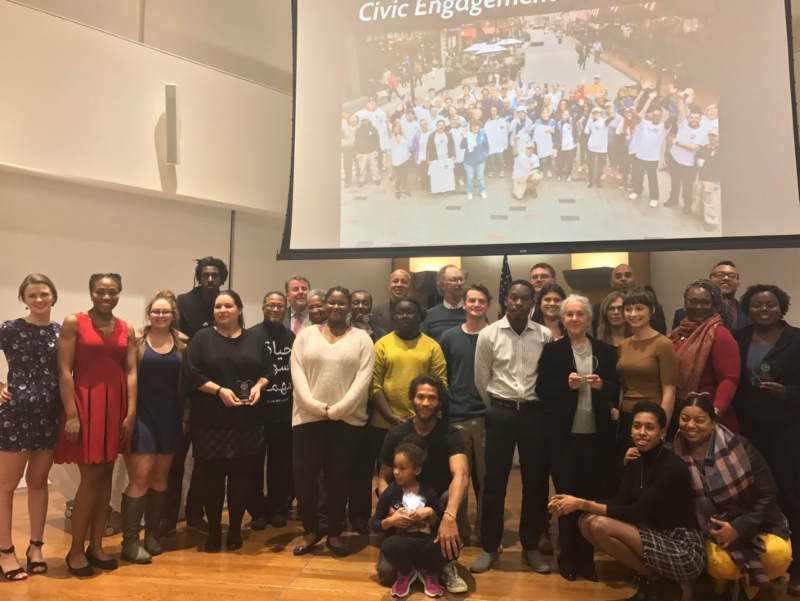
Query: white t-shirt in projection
(442, 176)
(401, 150)
(687, 135)
(598, 135)
(707, 123)
(651, 140)
(440, 142)
(524, 164)
(543, 136)
(456, 134)
(497, 134)
(567, 136)
(410, 128)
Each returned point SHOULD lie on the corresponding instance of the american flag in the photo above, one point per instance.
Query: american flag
(505, 284)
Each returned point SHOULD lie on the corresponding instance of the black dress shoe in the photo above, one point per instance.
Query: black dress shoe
(569, 575)
(233, 542)
(361, 527)
(588, 574)
(213, 543)
(83, 572)
(278, 521)
(338, 551)
(303, 549)
(258, 524)
(103, 564)
(197, 524)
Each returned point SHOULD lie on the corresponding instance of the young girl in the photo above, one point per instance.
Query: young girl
(406, 512)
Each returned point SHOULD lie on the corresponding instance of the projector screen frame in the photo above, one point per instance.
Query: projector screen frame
(536, 248)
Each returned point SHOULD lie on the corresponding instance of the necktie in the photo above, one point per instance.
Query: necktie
(297, 319)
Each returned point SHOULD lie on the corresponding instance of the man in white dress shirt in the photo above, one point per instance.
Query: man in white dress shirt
(506, 368)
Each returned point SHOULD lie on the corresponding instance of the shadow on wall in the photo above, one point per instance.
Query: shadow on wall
(166, 173)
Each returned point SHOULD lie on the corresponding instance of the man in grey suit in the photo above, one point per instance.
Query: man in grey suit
(399, 284)
(297, 287)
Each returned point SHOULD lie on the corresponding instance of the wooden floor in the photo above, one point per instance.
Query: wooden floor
(265, 569)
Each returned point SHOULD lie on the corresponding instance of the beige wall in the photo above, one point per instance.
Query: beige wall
(107, 123)
(247, 38)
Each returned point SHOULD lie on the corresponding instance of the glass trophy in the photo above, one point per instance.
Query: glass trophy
(766, 371)
(242, 390)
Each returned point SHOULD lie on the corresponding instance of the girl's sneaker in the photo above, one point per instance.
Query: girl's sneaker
(431, 582)
(402, 586)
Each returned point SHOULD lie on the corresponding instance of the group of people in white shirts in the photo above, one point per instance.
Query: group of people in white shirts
(458, 141)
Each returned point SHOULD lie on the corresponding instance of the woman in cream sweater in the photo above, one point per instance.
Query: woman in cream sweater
(331, 369)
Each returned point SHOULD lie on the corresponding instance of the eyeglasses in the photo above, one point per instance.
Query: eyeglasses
(456, 280)
(724, 275)
(693, 303)
(541, 277)
(160, 312)
(615, 310)
(274, 307)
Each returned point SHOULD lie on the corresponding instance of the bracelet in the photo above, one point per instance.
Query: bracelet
(450, 514)
(217, 392)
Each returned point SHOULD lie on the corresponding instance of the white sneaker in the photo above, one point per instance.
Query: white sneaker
(633, 196)
(569, 179)
(559, 178)
(549, 173)
(483, 195)
(461, 182)
(469, 196)
(452, 581)
(653, 204)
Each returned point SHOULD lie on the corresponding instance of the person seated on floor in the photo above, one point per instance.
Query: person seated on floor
(445, 469)
(650, 526)
(735, 500)
(408, 511)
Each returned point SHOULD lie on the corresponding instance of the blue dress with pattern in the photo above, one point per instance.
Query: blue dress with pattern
(29, 422)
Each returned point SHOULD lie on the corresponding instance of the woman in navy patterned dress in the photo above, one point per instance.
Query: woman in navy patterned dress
(30, 409)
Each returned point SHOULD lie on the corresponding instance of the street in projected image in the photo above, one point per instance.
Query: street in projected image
(633, 157)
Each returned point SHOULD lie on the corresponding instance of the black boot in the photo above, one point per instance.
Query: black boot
(132, 511)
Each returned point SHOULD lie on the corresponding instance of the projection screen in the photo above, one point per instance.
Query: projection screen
(464, 127)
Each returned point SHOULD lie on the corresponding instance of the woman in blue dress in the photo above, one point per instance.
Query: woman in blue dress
(30, 409)
(158, 433)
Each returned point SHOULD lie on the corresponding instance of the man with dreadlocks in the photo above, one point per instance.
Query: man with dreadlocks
(197, 312)
(197, 305)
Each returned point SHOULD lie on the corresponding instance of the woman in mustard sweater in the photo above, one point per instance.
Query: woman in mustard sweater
(399, 358)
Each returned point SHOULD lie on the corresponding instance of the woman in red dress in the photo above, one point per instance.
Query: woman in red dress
(708, 356)
(97, 377)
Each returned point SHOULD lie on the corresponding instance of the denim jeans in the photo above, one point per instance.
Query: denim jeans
(474, 171)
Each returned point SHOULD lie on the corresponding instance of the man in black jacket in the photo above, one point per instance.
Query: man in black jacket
(197, 312)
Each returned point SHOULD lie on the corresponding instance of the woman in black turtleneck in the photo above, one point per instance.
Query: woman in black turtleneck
(650, 525)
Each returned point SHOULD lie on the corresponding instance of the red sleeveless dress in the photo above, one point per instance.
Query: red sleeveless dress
(101, 395)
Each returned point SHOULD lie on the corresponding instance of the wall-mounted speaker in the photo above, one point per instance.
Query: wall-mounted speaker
(173, 125)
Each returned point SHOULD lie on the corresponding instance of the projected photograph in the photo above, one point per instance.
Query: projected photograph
(598, 124)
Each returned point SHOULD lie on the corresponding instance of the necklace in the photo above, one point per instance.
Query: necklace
(650, 469)
(585, 348)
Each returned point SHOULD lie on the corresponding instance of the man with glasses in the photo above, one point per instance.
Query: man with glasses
(450, 312)
(541, 274)
(399, 284)
(726, 276)
(275, 408)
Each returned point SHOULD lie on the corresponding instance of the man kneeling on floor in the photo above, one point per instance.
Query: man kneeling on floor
(445, 470)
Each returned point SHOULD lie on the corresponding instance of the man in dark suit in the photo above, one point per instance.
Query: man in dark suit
(399, 284)
(622, 280)
(726, 276)
(297, 287)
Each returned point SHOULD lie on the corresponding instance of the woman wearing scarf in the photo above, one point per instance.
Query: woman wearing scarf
(476, 144)
(708, 356)
(735, 499)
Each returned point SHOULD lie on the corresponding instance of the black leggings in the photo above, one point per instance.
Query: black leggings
(413, 550)
(213, 474)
